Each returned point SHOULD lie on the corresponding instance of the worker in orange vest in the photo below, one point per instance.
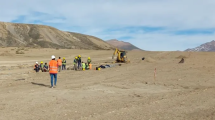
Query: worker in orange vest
(59, 62)
(53, 66)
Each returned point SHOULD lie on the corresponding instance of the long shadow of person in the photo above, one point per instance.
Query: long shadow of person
(40, 84)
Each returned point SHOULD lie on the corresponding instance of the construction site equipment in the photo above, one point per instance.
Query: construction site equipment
(121, 56)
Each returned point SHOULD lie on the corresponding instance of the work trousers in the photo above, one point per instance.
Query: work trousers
(63, 67)
(79, 65)
(55, 77)
(37, 69)
(75, 67)
(59, 68)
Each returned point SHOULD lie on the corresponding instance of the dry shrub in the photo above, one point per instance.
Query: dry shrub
(20, 52)
(6, 53)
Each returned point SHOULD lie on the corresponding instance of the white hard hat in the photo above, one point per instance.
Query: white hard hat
(36, 62)
(53, 56)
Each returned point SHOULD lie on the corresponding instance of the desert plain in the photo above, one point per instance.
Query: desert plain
(127, 92)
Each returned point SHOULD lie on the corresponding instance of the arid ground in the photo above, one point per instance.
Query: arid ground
(179, 92)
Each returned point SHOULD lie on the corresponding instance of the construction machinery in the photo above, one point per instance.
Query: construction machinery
(121, 56)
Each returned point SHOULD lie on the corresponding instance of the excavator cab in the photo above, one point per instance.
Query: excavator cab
(121, 56)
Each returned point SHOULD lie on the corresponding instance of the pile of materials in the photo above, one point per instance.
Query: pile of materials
(107, 66)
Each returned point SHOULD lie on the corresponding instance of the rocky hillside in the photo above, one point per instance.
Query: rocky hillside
(122, 45)
(207, 47)
(31, 35)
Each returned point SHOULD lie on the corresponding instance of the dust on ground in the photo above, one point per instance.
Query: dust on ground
(180, 91)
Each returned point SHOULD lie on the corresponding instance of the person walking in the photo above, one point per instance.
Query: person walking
(59, 62)
(53, 70)
(64, 64)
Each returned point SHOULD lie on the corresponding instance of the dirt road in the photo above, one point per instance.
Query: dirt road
(179, 92)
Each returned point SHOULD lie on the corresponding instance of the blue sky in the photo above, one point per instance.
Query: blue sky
(157, 25)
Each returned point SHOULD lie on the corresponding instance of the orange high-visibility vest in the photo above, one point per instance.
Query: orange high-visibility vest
(90, 66)
(53, 66)
(59, 62)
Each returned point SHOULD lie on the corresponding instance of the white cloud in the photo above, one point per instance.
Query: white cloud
(95, 16)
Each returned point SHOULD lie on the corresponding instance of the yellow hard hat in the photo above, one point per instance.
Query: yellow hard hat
(79, 55)
(63, 57)
(41, 62)
(88, 57)
(76, 57)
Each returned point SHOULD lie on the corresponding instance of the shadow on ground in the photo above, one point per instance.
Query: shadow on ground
(40, 84)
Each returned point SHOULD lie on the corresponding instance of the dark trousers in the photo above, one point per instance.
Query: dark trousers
(55, 77)
(37, 69)
(79, 65)
(63, 67)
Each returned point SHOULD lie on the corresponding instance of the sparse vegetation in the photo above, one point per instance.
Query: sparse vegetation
(20, 52)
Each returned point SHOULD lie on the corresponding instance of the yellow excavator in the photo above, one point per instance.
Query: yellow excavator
(121, 56)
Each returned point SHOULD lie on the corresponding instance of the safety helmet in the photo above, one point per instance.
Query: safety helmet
(53, 56)
(63, 57)
(41, 62)
(76, 57)
(88, 57)
(36, 62)
(79, 55)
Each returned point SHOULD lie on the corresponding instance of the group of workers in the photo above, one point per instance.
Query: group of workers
(55, 66)
(78, 63)
(45, 68)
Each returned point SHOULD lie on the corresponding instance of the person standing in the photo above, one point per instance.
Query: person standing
(64, 64)
(53, 70)
(79, 61)
(89, 61)
(75, 63)
(59, 62)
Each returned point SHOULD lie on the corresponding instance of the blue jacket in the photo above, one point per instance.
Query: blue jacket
(79, 59)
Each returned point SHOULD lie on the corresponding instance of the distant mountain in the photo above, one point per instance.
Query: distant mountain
(122, 45)
(206, 47)
(32, 35)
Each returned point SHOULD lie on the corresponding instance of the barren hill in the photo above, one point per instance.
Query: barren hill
(31, 35)
(206, 47)
(122, 45)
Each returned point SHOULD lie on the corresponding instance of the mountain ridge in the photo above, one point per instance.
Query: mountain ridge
(34, 35)
(206, 47)
(122, 45)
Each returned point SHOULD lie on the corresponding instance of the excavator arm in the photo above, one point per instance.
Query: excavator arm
(115, 52)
